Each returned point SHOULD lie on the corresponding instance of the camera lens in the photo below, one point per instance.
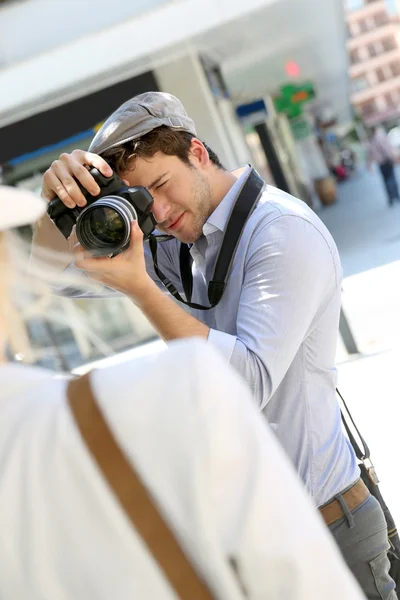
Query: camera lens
(104, 227)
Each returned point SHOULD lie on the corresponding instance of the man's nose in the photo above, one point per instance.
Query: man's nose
(161, 209)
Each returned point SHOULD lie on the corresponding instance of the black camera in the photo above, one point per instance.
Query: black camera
(103, 226)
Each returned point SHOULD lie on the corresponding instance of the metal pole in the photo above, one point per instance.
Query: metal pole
(347, 334)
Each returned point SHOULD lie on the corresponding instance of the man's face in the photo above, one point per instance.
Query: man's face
(182, 194)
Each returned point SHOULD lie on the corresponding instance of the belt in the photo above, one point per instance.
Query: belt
(355, 496)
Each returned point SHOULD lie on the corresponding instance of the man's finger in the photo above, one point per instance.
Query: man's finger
(54, 187)
(94, 160)
(72, 194)
(86, 180)
(136, 232)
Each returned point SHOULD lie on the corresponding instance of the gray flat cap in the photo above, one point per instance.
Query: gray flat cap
(139, 116)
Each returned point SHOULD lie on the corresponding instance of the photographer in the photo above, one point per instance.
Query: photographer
(277, 322)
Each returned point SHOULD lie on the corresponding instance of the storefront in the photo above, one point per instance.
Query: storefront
(79, 330)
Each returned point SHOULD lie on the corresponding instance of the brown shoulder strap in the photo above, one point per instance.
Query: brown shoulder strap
(131, 493)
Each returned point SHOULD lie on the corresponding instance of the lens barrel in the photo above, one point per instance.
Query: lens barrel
(103, 228)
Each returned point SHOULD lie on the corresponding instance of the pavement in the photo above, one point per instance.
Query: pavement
(367, 233)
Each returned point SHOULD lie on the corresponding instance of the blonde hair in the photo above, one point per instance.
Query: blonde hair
(26, 292)
(13, 325)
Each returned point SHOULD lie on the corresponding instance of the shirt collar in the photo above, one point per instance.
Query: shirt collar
(218, 219)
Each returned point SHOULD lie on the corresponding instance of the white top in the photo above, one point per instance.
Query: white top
(380, 149)
(186, 420)
(277, 324)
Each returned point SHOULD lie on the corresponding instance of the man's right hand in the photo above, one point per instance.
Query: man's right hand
(59, 179)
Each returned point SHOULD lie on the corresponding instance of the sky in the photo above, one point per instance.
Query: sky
(354, 4)
(391, 4)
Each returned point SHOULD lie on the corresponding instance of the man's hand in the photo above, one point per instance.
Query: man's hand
(58, 180)
(126, 272)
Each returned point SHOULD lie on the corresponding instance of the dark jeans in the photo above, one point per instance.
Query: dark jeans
(362, 539)
(389, 177)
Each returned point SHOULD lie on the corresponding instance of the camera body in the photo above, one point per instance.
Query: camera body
(103, 225)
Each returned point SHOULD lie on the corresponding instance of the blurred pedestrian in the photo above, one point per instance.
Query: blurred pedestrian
(186, 422)
(381, 152)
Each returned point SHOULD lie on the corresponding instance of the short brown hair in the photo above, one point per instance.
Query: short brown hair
(162, 139)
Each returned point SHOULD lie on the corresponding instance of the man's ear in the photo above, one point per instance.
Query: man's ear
(198, 153)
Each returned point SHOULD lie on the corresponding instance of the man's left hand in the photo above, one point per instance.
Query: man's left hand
(125, 272)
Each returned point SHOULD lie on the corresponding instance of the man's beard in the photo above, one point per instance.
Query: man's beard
(202, 208)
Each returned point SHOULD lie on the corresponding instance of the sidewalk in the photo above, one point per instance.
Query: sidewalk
(367, 232)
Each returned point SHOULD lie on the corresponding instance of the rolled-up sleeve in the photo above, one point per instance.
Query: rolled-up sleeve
(291, 275)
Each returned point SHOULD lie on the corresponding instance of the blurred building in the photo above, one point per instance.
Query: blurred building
(374, 54)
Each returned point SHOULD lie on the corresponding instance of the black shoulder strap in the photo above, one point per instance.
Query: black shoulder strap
(167, 283)
(246, 201)
(363, 454)
(185, 264)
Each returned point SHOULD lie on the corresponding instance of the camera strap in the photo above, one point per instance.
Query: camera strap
(246, 201)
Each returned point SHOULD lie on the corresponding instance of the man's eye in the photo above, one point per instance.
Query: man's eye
(161, 184)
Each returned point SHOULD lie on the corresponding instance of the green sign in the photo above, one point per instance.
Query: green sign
(292, 98)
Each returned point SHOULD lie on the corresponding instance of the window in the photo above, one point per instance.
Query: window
(389, 44)
(372, 51)
(381, 19)
(354, 57)
(395, 68)
(380, 74)
(368, 108)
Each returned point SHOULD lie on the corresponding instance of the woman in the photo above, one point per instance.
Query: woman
(187, 424)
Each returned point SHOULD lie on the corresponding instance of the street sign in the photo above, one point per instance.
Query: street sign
(292, 98)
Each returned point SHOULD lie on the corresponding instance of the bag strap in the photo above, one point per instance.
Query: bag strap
(246, 201)
(133, 496)
(364, 453)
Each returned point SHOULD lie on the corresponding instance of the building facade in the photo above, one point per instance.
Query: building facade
(373, 47)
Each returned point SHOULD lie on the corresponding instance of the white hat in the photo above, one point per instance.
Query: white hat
(19, 207)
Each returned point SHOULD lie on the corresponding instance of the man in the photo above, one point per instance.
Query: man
(75, 525)
(277, 322)
(381, 152)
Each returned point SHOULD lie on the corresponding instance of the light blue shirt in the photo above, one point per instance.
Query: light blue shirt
(277, 324)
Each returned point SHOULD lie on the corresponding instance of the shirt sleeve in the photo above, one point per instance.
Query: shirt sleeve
(291, 276)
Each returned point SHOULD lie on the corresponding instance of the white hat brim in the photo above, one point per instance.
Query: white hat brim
(19, 207)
